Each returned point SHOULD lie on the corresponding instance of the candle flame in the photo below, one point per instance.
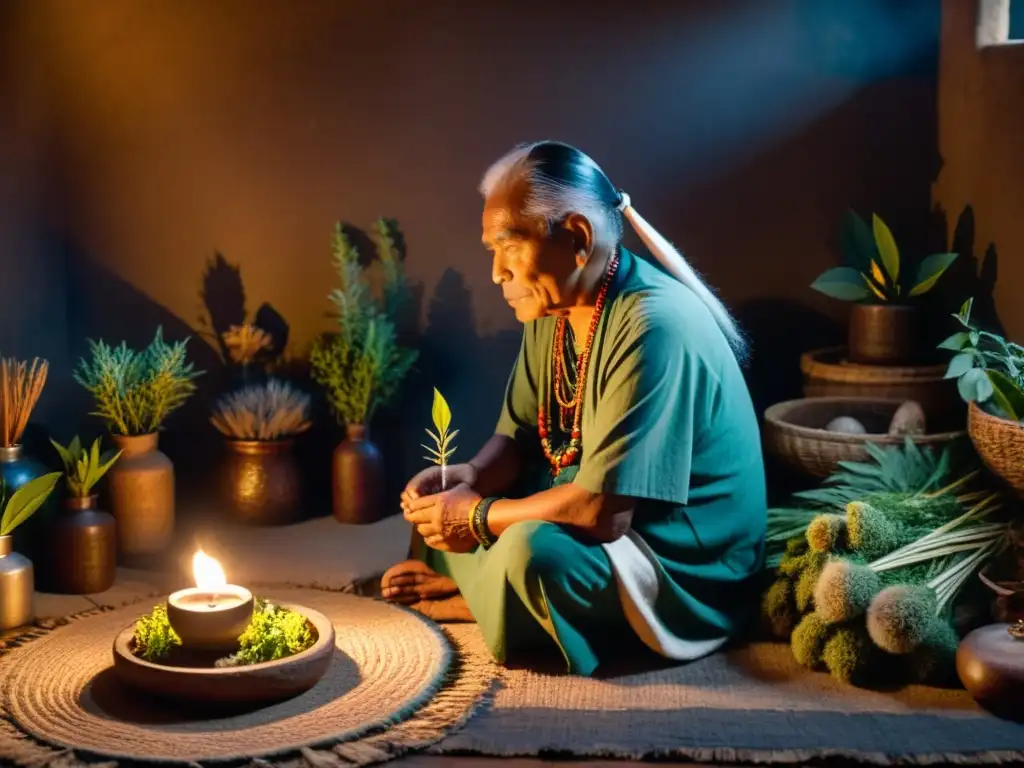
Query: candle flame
(207, 571)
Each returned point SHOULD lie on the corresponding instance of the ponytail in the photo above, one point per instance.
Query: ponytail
(677, 266)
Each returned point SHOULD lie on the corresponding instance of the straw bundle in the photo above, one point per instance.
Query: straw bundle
(20, 388)
(264, 412)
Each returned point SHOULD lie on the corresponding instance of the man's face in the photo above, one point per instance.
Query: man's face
(531, 265)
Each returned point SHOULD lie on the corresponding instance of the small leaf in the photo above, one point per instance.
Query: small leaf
(843, 283)
(1007, 395)
(975, 386)
(856, 242)
(959, 365)
(65, 457)
(433, 452)
(26, 500)
(887, 250)
(965, 310)
(975, 337)
(956, 342)
(875, 289)
(930, 270)
(441, 413)
(876, 273)
(435, 438)
(75, 447)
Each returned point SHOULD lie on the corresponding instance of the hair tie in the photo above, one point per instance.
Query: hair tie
(623, 201)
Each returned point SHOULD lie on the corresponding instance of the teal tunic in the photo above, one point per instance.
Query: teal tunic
(667, 419)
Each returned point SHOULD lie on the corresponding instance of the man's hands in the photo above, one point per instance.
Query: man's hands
(428, 482)
(442, 519)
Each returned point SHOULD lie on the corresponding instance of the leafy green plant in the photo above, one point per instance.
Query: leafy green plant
(23, 503)
(84, 468)
(273, 633)
(443, 450)
(362, 365)
(872, 269)
(989, 369)
(136, 390)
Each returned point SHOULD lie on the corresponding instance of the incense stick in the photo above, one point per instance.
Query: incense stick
(20, 388)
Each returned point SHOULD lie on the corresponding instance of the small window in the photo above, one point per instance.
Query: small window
(1016, 20)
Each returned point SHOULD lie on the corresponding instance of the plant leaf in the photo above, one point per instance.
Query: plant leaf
(65, 457)
(930, 270)
(441, 413)
(975, 386)
(1007, 394)
(875, 289)
(435, 438)
(964, 314)
(26, 500)
(856, 242)
(959, 365)
(844, 283)
(957, 341)
(886, 245)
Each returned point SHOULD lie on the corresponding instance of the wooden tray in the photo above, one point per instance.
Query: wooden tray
(252, 684)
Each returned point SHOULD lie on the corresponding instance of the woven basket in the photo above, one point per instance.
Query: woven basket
(794, 432)
(828, 373)
(1000, 444)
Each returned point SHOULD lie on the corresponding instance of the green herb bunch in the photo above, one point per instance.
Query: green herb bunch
(84, 468)
(274, 633)
(23, 503)
(136, 390)
(154, 638)
(872, 268)
(989, 369)
(362, 365)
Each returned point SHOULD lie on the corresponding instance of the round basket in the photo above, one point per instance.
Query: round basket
(794, 432)
(1000, 444)
(828, 373)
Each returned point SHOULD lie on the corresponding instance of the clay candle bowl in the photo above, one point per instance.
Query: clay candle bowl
(213, 614)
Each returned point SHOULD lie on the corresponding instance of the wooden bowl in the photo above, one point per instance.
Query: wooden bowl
(794, 432)
(252, 684)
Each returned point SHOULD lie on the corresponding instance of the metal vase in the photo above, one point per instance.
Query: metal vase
(83, 549)
(17, 469)
(357, 478)
(17, 587)
(260, 482)
(141, 488)
(884, 334)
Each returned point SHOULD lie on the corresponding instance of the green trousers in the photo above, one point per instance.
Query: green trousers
(541, 586)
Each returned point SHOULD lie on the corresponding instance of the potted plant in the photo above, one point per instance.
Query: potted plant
(82, 548)
(21, 384)
(885, 323)
(134, 393)
(260, 481)
(990, 377)
(360, 367)
(17, 576)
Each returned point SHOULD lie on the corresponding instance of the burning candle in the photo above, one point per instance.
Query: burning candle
(212, 614)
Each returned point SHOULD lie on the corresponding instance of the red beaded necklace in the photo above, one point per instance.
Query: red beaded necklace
(566, 455)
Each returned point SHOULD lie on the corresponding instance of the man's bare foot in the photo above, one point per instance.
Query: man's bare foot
(413, 581)
(450, 609)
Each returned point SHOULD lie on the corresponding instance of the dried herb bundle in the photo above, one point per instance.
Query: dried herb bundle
(136, 390)
(245, 342)
(20, 387)
(268, 411)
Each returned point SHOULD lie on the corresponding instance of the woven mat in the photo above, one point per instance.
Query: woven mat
(749, 704)
(397, 683)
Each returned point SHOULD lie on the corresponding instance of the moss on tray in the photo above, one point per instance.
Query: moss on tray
(273, 633)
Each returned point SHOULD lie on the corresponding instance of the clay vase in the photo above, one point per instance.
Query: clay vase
(357, 478)
(260, 482)
(884, 334)
(141, 488)
(83, 549)
(17, 469)
(17, 586)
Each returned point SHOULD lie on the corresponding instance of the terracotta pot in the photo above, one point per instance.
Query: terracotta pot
(260, 482)
(141, 488)
(884, 334)
(17, 586)
(357, 478)
(17, 469)
(82, 557)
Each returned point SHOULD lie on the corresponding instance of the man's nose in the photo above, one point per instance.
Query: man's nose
(499, 274)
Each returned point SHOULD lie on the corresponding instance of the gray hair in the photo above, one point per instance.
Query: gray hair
(557, 180)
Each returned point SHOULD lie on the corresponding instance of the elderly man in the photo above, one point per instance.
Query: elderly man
(622, 495)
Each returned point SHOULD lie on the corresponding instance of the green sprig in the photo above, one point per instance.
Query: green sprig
(443, 450)
(84, 468)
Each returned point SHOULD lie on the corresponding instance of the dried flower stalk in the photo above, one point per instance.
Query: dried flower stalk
(246, 341)
(268, 411)
(20, 388)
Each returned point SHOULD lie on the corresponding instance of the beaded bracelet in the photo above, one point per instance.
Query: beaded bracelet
(479, 522)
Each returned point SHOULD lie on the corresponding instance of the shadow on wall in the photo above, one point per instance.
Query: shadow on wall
(469, 369)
